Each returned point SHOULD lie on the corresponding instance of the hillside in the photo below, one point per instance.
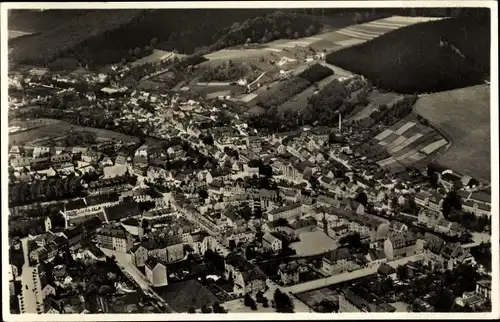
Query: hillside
(414, 60)
(463, 115)
(59, 40)
(106, 36)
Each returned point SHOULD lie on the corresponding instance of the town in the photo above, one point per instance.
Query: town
(141, 199)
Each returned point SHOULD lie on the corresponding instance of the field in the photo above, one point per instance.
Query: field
(58, 130)
(300, 100)
(376, 98)
(464, 116)
(409, 142)
(425, 57)
(155, 57)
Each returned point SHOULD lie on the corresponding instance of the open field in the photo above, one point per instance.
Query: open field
(424, 57)
(156, 57)
(376, 98)
(410, 143)
(58, 130)
(464, 116)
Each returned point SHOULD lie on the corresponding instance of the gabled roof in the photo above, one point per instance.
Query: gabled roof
(152, 262)
(338, 254)
(385, 269)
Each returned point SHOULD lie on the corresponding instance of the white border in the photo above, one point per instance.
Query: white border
(255, 4)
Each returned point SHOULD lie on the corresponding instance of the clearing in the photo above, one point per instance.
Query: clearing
(57, 130)
(376, 99)
(464, 116)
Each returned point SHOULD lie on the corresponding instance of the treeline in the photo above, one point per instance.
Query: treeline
(227, 71)
(91, 119)
(412, 59)
(283, 92)
(315, 73)
(44, 190)
(263, 29)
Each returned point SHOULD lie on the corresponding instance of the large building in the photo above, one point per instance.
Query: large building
(156, 272)
(115, 238)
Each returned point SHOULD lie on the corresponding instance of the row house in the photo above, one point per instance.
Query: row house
(477, 208)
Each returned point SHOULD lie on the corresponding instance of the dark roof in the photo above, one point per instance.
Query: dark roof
(123, 210)
(481, 196)
(75, 204)
(254, 274)
(71, 233)
(100, 199)
(183, 295)
(152, 262)
(117, 232)
(131, 222)
(96, 251)
(338, 254)
(385, 269)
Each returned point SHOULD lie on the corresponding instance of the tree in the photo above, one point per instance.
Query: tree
(217, 308)
(328, 306)
(191, 310)
(137, 51)
(282, 302)
(206, 309)
(203, 194)
(248, 300)
(296, 35)
(362, 198)
(402, 272)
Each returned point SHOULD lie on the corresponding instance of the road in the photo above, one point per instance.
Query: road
(130, 270)
(29, 297)
(335, 279)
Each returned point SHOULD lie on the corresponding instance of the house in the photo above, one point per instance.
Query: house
(156, 272)
(200, 241)
(477, 208)
(337, 261)
(47, 285)
(114, 238)
(401, 245)
(50, 306)
(140, 165)
(247, 277)
(289, 273)
(376, 256)
(385, 270)
(272, 242)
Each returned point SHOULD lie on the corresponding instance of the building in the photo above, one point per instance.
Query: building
(483, 289)
(292, 211)
(271, 242)
(289, 273)
(115, 238)
(337, 261)
(401, 245)
(385, 270)
(133, 227)
(156, 272)
(247, 277)
(358, 299)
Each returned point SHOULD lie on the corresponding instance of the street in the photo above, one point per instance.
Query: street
(129, 269)
(347, 276)
(30, 300)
